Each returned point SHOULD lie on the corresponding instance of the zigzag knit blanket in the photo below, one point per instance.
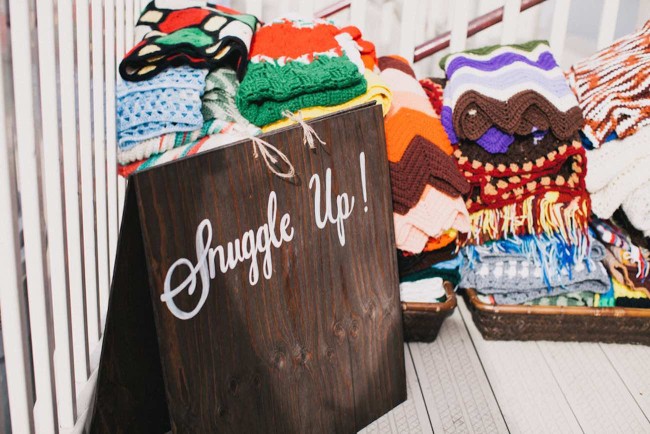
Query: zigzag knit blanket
(426, 183)
(517, 89)
(205, 37)
(613, 88)
(296, 64)
(423, 164)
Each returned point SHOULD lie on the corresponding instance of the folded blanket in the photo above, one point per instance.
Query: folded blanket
(433, 215)
(612, 88)
(429, 290)
(517, 89)
(423, 164)
(583, 299)
(408, 263)
(516, 271)
(167, 103)
(615, 170)
(220, 115)
(200, 37)
(377, 91)
(434, 90)
(295, 64)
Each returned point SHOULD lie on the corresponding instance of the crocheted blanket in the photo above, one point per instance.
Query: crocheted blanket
(169, 102)
(506, 90)
(200, 37)
(524, 269)
(296, 64)
(613, 86)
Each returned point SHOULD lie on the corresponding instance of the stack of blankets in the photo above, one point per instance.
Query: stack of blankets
(514, 121)
(177, 92)
(205, 76)
(613, 89)
(427, 187)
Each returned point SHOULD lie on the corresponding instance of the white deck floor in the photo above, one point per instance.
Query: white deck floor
(462, 383)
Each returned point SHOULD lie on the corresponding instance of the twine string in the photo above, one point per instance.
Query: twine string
(309, 134)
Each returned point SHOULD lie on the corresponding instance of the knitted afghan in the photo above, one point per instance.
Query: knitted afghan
(220, 116)
(426, 184)
(434, 90)
(200, 37)
(423, 164)
(296, 64)
(618, 175)
(613, 86)
(169, 102)
(517, 271)
(377, 91)
(429, 290)
(434, 214)
(518, 89)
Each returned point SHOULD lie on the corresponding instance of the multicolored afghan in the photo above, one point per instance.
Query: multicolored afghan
(295, 64)
(613, 88)
(200, 37)
(495, 92)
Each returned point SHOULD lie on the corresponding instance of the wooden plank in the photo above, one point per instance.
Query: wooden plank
(524, 385)
(593, 388)
(409, 417)
(314, 344)
(455, 388)
(631, 364)
(130, 393)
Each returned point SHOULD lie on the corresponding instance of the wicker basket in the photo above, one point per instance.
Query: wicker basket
(560, 323)
(422, 321)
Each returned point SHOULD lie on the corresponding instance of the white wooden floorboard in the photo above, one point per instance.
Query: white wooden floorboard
(528, 394)
(632, 362)
(597, 395)
(456, 391)
(410, 416)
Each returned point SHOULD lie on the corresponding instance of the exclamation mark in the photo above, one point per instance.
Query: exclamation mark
(362, 164)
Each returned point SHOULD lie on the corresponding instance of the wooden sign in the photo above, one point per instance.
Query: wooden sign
(245, 303)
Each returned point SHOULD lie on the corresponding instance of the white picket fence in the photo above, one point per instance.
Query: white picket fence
(60, 198)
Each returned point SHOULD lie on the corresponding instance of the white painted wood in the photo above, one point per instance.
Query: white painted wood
(53, 197)
(12, 304)
(631, 364)
(510, 16)
(254, 7)
(99, 142)
(455, 387)
(26, 126)
(458, 17)
(559, 24)
(593, 388)
(71, 184)
(110, 28)
(87, 175)
(410, 416)
(524, 385)
(643, 13)
(358, 13)
(129, 25)
(407, 29)
(387, 22)
(306, 8)
(607, 23)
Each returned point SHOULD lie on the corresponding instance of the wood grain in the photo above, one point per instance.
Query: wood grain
(318, 347)
(130, 394)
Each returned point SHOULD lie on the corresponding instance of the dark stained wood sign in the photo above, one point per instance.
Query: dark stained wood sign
(244, 303)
